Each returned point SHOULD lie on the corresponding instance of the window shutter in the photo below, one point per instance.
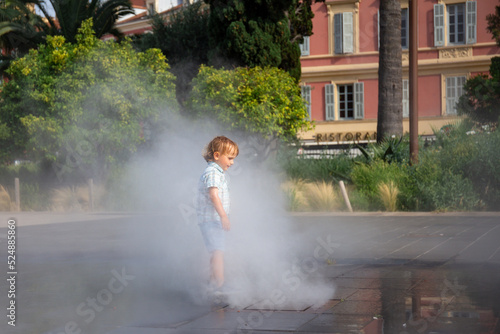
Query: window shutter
(439, 25)
(378, 26)
(450, 95)
(337, 26)
(460, 87)
(306, 95)
(406, 99)
(471, 22)
(348, 35)
(329, 102)
(304, 47)
(359, 110)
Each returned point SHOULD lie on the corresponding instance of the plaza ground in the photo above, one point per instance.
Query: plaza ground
(392, 273)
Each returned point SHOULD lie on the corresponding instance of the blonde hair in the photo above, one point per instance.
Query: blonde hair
(220, 144)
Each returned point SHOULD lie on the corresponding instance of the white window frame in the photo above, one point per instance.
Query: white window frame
(304, 47)
(453, 90)
(442, 23)
(358, 111)
(305, 91)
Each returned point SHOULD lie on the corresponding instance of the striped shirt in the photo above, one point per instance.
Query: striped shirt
(213, 176)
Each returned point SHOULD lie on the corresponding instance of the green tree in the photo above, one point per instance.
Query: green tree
(86, 105)
(71, 13)
(20, 30)
(265, 102)
(482, 92)
(494, 24)
(259, 33)
(390, 109)
(183, 39)
(482, 96)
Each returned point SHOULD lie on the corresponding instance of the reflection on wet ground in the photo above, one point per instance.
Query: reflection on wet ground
(392, 275)
(413, 299)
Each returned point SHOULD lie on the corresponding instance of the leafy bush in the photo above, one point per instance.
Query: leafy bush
(328, 168)
(368, 178)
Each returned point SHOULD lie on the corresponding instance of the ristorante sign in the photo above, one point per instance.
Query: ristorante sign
(342, 137)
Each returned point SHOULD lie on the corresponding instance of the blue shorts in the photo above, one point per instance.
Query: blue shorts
(213, 236)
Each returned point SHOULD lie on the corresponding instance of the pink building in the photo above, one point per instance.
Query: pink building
(340, 64)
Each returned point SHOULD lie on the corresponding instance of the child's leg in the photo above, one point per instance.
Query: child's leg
(217, 265)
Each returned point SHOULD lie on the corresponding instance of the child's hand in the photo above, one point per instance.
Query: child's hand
(226, 224)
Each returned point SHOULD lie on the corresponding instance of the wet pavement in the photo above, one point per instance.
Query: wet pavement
(392, 273)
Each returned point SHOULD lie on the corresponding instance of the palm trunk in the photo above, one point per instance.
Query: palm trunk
(390, 107)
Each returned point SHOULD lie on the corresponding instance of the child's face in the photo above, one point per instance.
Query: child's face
(224, 160)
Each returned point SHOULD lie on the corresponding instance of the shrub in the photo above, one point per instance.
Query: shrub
(330, 168)
(367, 179)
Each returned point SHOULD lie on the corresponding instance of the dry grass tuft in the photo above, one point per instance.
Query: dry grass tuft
(294, 195)
(71, 199)
(321, 196)
(389, 195)
(5, 201)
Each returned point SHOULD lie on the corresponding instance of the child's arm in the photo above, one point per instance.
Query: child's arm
(213, 193)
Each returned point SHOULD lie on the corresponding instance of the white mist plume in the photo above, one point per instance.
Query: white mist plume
(265, 261)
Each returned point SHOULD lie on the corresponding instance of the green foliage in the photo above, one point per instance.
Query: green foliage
(85, 105)
(494, 24)
(368, 178)
(262, 101)
(183, 39)
(389, 150)
(326, 167)
(24, 24)
(482, 97)
(259, 33)
(458, 172)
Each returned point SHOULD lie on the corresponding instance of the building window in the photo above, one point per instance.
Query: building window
(343, 33)
(151, 9)
(454, 89)
(460, 25)
(406, 98)
(346, 101)
(351, 101)
(405, 28)
(304, 47)
(306, 95)
(456, 18)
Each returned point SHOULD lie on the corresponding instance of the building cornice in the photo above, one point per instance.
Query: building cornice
(370, 70)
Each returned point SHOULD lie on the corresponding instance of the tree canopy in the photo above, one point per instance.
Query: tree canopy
(85, 104)
(262, 101)
(259, 33)
(22, 28)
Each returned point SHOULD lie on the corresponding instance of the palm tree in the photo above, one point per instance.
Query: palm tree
(71, 13)
(21, 28)
(390, 113)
